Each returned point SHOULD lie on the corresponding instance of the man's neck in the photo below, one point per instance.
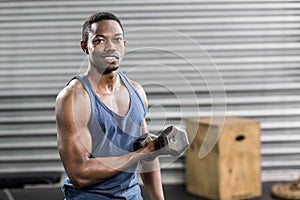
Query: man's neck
(104, 84)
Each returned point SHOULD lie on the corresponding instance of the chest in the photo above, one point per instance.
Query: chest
(117, 101)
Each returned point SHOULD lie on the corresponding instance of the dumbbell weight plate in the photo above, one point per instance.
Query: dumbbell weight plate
(172, 141)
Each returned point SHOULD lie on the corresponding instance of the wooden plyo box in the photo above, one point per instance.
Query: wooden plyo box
(232, 168)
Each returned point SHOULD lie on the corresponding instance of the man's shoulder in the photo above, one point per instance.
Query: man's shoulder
(140, 90)
(72, 91)
(135, 84)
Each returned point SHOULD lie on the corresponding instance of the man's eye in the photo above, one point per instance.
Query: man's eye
(99, 40)
(118, 39)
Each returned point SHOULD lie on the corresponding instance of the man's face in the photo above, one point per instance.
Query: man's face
(106, 45)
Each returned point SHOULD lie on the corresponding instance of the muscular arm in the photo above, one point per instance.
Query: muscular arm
(150, 171)
(74, 143)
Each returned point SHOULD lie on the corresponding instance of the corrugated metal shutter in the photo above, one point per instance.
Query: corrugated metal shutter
(182, 52)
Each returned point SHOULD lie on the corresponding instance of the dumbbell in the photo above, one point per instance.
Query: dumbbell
(171, 141)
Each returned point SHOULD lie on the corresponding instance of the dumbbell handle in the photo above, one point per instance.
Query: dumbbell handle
(143, 140)
(171, 141)
(146, 137)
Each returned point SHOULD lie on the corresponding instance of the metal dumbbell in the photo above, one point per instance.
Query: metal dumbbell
(171, 141)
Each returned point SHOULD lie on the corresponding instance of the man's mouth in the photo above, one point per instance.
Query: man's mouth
(111, 58)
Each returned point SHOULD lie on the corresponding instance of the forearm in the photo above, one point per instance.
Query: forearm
(152, 179)
(94, 170)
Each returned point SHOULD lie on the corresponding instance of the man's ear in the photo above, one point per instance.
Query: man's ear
(124, 43)
(83, 46)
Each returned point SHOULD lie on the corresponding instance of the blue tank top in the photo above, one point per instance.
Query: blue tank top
(112, 135)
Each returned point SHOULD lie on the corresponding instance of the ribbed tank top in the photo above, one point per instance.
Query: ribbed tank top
(112, 135)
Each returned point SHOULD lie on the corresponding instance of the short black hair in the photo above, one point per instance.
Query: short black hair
(95, 18)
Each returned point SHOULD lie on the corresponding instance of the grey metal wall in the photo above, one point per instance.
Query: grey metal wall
(194, 58)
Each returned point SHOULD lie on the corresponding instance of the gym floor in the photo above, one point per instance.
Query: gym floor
(172, 192)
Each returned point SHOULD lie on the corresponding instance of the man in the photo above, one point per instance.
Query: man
(99, 115)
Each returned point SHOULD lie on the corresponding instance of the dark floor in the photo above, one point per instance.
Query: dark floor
(172, 192)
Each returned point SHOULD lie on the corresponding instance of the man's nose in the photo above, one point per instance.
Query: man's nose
(109, 46)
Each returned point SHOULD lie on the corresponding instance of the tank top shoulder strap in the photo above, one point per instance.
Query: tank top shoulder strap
(87, 86)
(131, 88)
(126, 81)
